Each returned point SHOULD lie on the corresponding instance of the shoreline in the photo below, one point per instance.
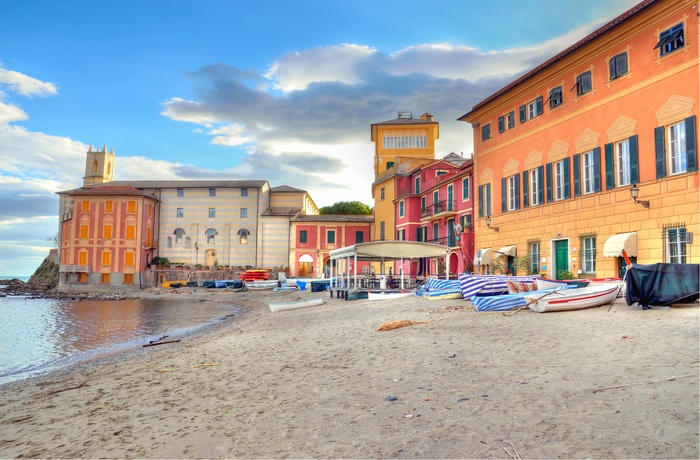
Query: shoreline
(316, 382)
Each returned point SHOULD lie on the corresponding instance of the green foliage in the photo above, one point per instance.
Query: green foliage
(565, 275)
(346, 207)
(523, 264)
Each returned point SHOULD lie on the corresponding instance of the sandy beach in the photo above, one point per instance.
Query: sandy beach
(320, 382)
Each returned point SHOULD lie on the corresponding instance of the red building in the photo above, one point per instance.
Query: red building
(434, 203)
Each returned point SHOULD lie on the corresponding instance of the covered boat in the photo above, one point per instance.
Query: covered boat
(662, 284)
(485, 285)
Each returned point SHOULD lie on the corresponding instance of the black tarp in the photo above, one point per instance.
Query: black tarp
(662, 284)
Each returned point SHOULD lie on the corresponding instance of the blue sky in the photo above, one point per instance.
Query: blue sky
(245, 90)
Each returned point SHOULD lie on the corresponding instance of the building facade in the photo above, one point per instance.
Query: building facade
(561, 151)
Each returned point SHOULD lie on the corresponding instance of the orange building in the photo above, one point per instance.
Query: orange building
(399, 146)
(561, 153)
(107, 236)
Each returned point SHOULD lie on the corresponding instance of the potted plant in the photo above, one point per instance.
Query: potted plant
(198, 267)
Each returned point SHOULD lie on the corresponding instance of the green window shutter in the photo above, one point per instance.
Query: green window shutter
(481, 201)
(418, 234)
(504, 195)
(501, 124)
(609, 166)
(538, 105)
(567, 177)
(577, 175)
(634, 159)
(691, 149)
(549, 182)
(596, 169)
(523, 114)
(660, 147)
(540, 192)
(517, 191)
(488, 199)
(526, 185)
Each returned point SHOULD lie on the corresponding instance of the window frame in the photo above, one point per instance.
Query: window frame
(588, 172)
(615, 67)
(559, 180)
(584, 83)
(667, 37)
(677, 152)
(512, 193)
(180, 213)
(180, 192)
(330, 236)
(486, 132)
(535, 183)
(623, 165)
(212, 213)
(676, 245)
(588, 254)
(244, 213)
(244, 192)
(465, 188)
(534, 250)
(556, 97)
(303, 236)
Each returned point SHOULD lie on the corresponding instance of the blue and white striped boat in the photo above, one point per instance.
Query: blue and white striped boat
(488, 285)
(435, 289)
(507, 302)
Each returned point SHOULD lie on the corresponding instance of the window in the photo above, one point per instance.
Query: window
(303, 235)
(484, 200)
(131, 206)
(670, 39)
(181, 192)
(506, 122)
(212, 192)
(244, 192)
(560, 180)
(104, 278)
(169, 242)
(423, 206)
(436, 232)
(401, 235)
(534, 251)
(676, 151)
(84, 230)
(584, 83)
(556, 97)
(389, 164)
(243, 236)
(466, 222)
(436, 202)
(381, 194)
(531, 110)
(107, 231)
(465, 188)
(109, 206)
(359, 236)
(588, 254)
(588, 173)
(623, 162)
(382, 229)
(106, 257)
(82, 258)
(536, 187)
(330, 236)
(512, 193)
(401, 205)
(128, 278)
(130, 232)
(86, 206)
(180, 212)
(129, 259)
(676, 240)
(212, 212)
(150, 209)
(244, 213)
(179, 235)
(211, 235)
(486, 132)
(618, 65)
(417, 184)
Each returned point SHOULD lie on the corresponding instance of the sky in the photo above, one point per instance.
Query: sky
(283, 91)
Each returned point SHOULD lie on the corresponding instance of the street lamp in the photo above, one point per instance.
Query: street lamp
(634, 191)
(488, 224)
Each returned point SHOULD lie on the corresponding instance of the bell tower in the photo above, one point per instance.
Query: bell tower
(99, 166)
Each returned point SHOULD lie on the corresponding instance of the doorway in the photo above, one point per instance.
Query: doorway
(561, 258)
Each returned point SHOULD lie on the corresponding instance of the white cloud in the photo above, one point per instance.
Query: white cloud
(230, 135)
(10, 113)
(25, 85)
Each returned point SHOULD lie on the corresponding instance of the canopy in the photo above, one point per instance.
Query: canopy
(391, 250)
(483, 256)
(616, 243)
(508, 250)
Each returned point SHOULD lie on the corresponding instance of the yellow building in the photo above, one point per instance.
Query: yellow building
(399, 146)
(560, 153)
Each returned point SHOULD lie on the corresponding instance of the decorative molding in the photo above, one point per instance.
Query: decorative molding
(622, 128)
(486, 175)
(588, 140)
(511, 168)
(533, 159)
(675, 109)
(558, 151)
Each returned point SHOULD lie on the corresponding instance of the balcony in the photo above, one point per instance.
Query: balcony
(74, 269)
(438, 210)
(450, 241)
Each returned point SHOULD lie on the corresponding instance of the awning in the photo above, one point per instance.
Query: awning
(306, 258)
(483, 256)
(616, 243)
(508, 250)
(390, 250)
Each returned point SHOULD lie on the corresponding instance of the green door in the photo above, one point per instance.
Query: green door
(561, 251)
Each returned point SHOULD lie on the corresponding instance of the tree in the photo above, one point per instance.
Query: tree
(53, 239)
(347, 207)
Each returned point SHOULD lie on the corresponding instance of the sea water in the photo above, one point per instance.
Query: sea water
(41, 335)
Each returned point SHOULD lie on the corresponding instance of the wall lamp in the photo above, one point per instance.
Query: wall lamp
(634, 191)
(488, 224)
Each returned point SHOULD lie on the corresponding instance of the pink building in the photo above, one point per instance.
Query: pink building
(434, 203)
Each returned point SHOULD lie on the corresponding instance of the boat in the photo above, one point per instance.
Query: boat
(295, 304)
(662, 284)
(543, 283)
(255, 275)
(485, 285)
(442, 294)
(259, 285)
(285, 288)
(389, 294)
(575, 298)
(507, 302)
(174, 284)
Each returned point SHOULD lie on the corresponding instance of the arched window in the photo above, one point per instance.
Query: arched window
(94, 166)
(243, 236)
(211, 235)
(179, 235)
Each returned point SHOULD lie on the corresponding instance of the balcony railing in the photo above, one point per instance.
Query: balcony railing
(450, 241)
(439, 209)
(74, 269)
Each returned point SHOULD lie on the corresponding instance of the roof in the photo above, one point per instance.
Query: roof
(570, 50)
(391, 250)
(281, 211)
(110, 190)
(286, 189)
(188, 183)
(335, 218)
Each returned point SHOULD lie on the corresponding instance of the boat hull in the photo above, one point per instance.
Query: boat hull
(295, 305)
(388, 295)
(575, 299)
(260, 285)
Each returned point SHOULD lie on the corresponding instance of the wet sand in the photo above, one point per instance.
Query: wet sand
(320, 382)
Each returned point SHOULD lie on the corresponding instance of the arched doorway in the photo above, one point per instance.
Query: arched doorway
(306, 265)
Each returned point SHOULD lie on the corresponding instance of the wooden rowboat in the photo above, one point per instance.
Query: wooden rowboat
(575, 299)
(258, 285)
(388, 295)
(443, 294)
(293, 305)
